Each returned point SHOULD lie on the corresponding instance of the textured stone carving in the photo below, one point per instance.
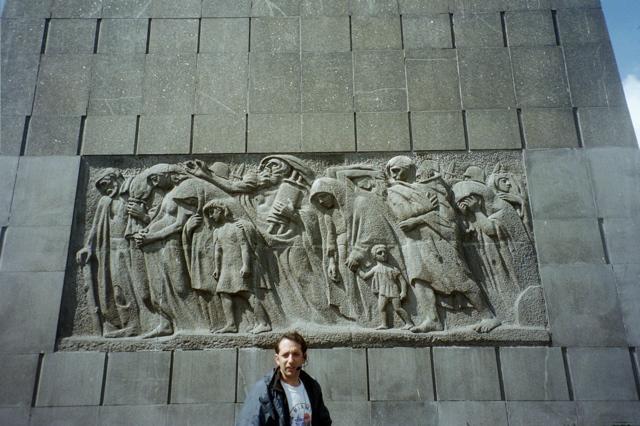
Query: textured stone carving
(229, 248)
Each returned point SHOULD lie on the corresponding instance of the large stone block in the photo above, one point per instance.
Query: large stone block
(472, 412)
(169, 84)
(561, 241)
(583, 305)
(486, 79)
(253, 365)
(478, 29)
(137, 378)
(124, 36)
(203, 376)
(574, 4)
(76, 9)
(174, 36)
(71, 36)
(45, 191)
(409, 380)
(622, 237)
(18, 376)
(275, 8)
(341, 372)
(533, 374)
(81, 415)
(133, 414)
(325, 34)
(372, 7)
(63, 85)
(8, 172)
(539, 76)
(171, 9)
(224, 35)
(11, 132)
(116, 84)
(497, 5)
(602, 374)
(602, 127)
(275, 35)
(437, 130)
(327, 82)
(420, 7)
(50, 135)
(530, 28)
(21, 36)
(616, 194)
(466, 374)
(432, 80)
(126, 9)
(352, 412)
(409, 413)
(19, 78)
(324, 8)
(70, 379)
(109, 135)
(382, 131)
(380, 81)
(274, 82)
(14, 416)
(559, 184)
(164, 134)
(35, 249)
(219, 133)
(376, 33)
(493, 129)
(549, 128)
(274, 133)
(526, 413)
(427, 32)
(222, 83)
(201, 414)
(27, 9)
(29, 308)
(226, 8)
(627, 279)
(608, 412)
(580, 26)
(328, 132)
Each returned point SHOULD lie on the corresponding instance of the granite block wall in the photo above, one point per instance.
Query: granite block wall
(137, 78)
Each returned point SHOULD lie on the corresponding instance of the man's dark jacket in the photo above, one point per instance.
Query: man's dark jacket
(266, 404)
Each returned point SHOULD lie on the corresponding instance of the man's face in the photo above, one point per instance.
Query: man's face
(325, 200)
(289, 358)
(215, 214)
(381, 255)
(108, 186)
(503, 184)
(399, 173)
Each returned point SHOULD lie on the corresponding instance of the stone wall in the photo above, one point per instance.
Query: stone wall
(136, 78)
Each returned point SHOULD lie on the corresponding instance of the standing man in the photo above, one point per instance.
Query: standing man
(287, 395)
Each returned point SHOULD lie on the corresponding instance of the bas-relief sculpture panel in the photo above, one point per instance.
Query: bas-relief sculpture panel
(352, 250)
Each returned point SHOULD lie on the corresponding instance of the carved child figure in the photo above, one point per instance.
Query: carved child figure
(390, 286)
(233, 269)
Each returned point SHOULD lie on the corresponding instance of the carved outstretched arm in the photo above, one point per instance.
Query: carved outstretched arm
(198, 169)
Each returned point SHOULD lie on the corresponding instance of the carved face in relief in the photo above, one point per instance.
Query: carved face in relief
(216, 214)
(109, 185)
(325, 199)
(503, 184)
(380, 254)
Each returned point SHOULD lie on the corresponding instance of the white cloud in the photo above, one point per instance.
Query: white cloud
(631, 85)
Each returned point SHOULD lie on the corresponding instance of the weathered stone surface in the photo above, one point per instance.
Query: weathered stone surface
(549, 128)
(253, 365)
(325, 34)
(18, 375)
(465, 374)
(76, 9)
(274, 133)
(561, 241)
(437, 130)
(274, 82)
(65, 415)
(523, 413)
(169, 84)
(164, 134)
(225, 8)
(530, 28)
(124, 36)
(328, 132)
(27, 9)
(540, 77)
(174, 36)
(34, 248)
(275, 35)
(376, 33)
(11, 132)
(324, 8)
(497, 5)
(171, 9)
(410, 380)
(486, 80)
(222, 83)
(574, 4)
(432, 80)
(327, 82)
(380, 83)
(29, 311)
(627, 278)
(621, 235)
(533, 374)
(472, 412)
(580, 26)
(116, 84)
(602, 127)
(341, 372)
(222, 413)
(152, 414)
(63, 85)
(15, 416)
(411, 413)
(70, 379)
(49, 135)
(352, 412)
(126, 9)
(137, 378)
(559, 184)
(45, 191)
(21, 36)
(493, 129)
(275, 8)
(478, 29)
(419, 7)
(583, 305)
(109, 135)
(71, 36)
(219, 133)
(592, 382)
(620, 412)
(372, 7)
(8, 170)
(427, 32)
(19, 77)
(203, 376)
(224, 35)
(381, 131)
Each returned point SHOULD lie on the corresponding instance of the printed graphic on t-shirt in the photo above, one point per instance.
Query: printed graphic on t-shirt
(301, 415)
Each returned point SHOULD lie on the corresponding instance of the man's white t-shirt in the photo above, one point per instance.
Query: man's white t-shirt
(299, 404)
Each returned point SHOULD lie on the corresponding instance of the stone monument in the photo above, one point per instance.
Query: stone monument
(440, 195)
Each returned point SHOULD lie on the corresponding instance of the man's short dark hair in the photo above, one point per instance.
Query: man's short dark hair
(293, 336)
